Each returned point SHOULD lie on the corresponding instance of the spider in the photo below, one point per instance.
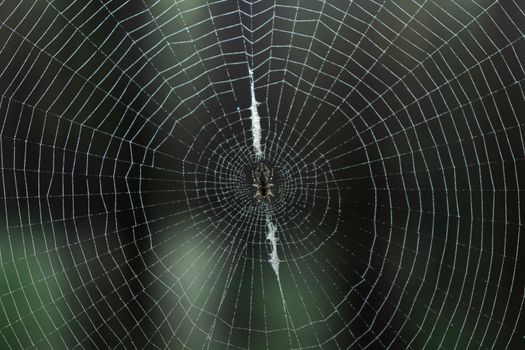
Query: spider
(262, 181)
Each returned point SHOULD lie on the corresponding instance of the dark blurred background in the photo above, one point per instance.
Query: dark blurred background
(395, 131)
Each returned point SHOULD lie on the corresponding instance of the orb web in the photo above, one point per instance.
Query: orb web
(130, 129)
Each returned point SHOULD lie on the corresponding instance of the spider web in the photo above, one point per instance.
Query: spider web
(129, 130)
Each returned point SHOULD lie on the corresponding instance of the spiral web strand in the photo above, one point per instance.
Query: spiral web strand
(128, 135)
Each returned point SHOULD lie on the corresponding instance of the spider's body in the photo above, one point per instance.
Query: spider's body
(262, 181)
